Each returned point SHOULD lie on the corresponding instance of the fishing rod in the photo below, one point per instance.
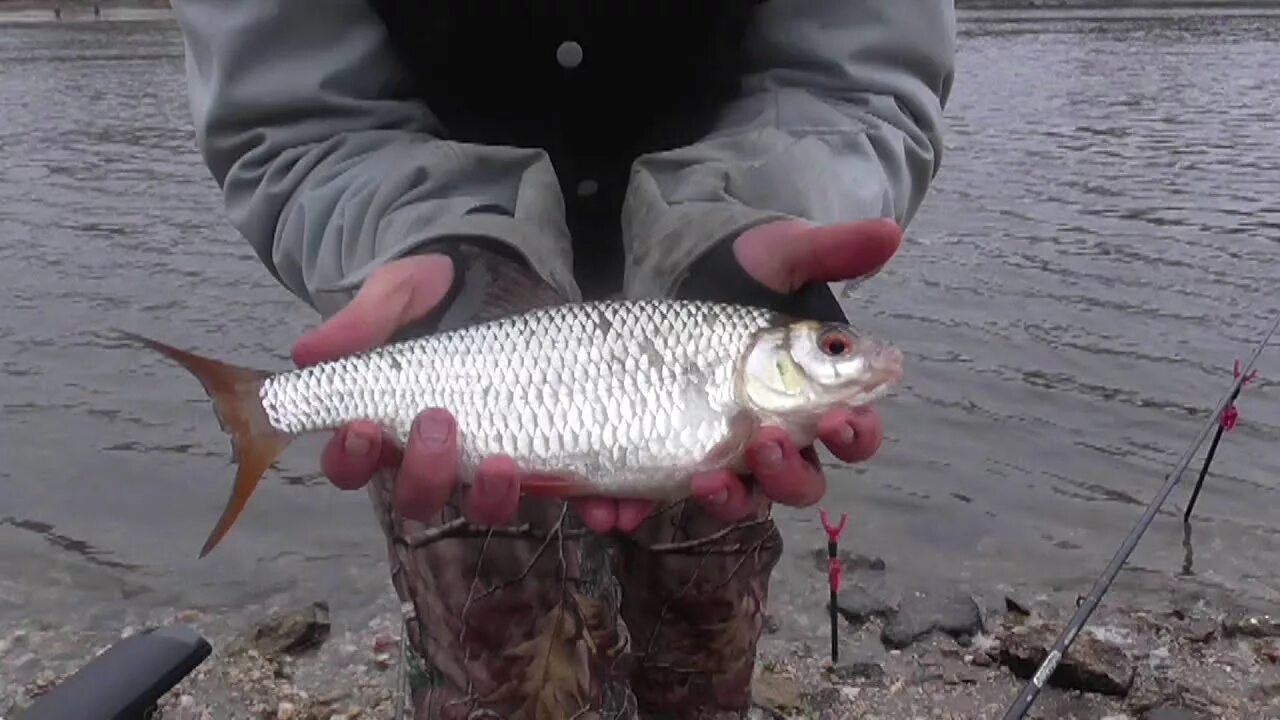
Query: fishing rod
(1022, 705)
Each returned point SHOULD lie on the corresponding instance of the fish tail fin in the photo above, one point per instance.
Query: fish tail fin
(255, 444)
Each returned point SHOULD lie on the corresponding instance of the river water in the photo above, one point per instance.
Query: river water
(1101, 244)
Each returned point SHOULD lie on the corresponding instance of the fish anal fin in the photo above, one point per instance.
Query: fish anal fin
(546, 485)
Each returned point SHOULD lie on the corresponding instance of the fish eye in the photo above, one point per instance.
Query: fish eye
(836, 343)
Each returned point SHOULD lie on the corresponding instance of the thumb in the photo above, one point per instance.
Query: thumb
(787, 255)
(395, 295)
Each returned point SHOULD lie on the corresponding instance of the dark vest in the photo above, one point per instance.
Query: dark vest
(650, 75)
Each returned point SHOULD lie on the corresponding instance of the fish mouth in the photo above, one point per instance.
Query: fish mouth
(884, 368)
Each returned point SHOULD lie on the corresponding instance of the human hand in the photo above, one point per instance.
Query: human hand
(784, 256)
(398, 294)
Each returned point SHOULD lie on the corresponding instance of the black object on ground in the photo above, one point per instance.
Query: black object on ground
(126, 681)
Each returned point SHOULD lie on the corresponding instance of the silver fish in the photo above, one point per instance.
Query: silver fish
(615, 398)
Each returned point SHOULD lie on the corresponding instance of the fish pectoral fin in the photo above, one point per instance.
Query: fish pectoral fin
(728, 453)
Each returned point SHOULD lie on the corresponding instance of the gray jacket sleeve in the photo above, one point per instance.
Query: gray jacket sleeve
(329, 166)
(840, 120)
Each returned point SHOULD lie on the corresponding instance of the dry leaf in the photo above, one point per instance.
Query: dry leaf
(551, 670)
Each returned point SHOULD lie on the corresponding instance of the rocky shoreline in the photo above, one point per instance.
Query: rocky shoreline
(931, 650)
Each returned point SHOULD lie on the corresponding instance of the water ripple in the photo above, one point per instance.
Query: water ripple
(1099, 246)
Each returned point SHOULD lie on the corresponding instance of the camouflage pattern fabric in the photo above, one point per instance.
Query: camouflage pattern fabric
(546, 620)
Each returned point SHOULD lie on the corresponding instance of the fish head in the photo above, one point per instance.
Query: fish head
(794, 373)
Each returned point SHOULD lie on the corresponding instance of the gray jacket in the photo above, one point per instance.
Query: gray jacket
(329, 167)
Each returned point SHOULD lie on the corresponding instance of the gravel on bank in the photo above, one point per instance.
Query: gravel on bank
(910, 651)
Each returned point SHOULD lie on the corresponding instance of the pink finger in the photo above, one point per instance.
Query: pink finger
(351, 456)
(428, 474)
(723, 495)
(852, 435)
(850, 250)
(633, 513)
(783, 474)
(400, 292)
(598, 514)
(494, 497)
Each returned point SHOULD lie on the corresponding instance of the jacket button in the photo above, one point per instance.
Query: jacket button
(588, 187)
(569, 54)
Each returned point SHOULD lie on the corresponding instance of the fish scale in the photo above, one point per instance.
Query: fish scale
(552, 388)
(625, 398)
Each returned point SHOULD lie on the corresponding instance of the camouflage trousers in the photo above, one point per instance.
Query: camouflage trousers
(546, 620)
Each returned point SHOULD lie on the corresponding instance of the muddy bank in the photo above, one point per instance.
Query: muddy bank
(906, 651)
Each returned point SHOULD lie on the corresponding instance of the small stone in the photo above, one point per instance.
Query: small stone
(1271, 651)
(926, 674)
(1255, 626)
(856, 605)
(292, 632)
(821, 700)
(776, 693)
(959, 678)
(286, 711)
(385, 643)
(1266, 691)
(1171, 713)
(45, 680)
(859, 670)
(1093, 665)
(187, 709)
(1015, 607)
(946, 610)
(985, 650)
(332, 697)
(1200, 630)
